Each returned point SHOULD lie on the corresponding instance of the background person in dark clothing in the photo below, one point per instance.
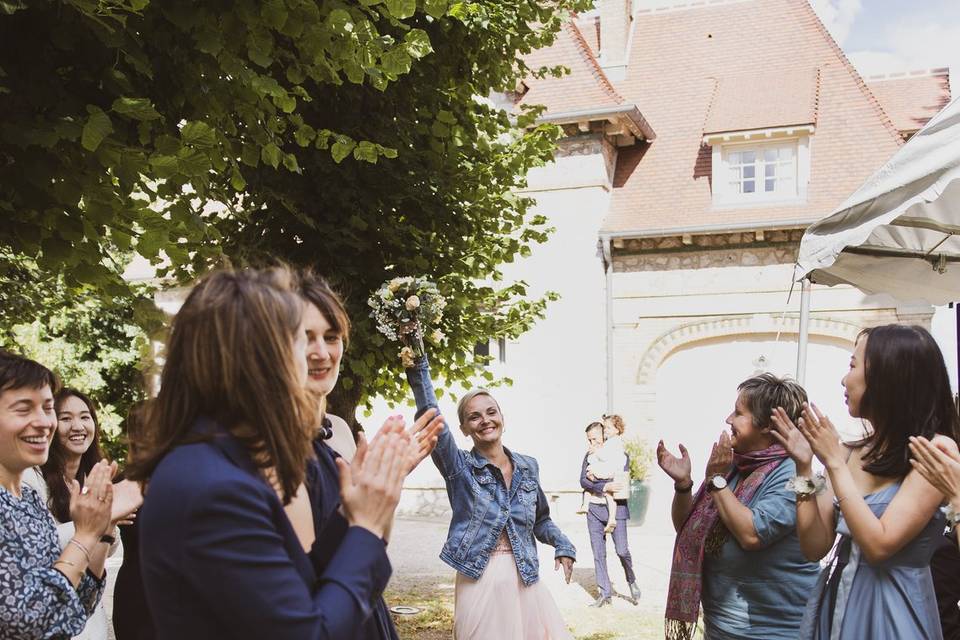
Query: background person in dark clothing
(596, 521)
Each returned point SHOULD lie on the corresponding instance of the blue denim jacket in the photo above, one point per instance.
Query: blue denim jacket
(482, 506)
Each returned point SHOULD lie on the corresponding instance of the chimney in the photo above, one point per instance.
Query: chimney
(616, 20)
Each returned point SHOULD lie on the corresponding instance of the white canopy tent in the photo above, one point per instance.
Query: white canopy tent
(897, 234)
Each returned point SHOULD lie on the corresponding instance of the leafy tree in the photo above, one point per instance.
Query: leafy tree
(347, 135)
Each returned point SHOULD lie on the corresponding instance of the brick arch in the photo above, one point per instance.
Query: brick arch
(691, 333)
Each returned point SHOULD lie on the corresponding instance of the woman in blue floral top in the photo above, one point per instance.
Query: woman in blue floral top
(44, 593)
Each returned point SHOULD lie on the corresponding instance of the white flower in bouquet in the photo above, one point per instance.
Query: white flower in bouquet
(407, 358)
(437, 336)
(404, 308)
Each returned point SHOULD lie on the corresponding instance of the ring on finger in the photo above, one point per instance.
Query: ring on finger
(84, 491)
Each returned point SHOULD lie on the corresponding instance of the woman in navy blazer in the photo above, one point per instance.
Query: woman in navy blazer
(240, 532)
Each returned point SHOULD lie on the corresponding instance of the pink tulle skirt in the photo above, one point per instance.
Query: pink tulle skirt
(499, 606)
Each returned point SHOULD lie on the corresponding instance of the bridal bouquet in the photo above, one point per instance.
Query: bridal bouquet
(403, 308)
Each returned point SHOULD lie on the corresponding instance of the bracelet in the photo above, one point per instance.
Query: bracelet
(806, 488)
(66, 562)
(952, 515)
(686, 489)
(86, 553)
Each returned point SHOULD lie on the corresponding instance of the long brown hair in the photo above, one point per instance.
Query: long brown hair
(56, 465)
(907, 394)
(229, 358)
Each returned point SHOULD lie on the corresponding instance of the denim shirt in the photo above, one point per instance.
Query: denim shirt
(482, 505)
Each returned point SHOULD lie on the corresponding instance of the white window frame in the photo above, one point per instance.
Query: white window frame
(725, 195)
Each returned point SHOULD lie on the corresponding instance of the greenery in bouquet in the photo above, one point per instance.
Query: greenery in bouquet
(403, 309)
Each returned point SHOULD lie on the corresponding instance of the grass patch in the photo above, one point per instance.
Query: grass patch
(433, 623)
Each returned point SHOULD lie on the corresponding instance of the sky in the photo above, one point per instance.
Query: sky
(889, 36)
(886, 36)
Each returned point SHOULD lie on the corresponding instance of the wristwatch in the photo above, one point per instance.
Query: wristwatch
(716, 483)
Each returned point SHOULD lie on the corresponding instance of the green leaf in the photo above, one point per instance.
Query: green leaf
(401, 9)
(342, 148)
(274, 13)
(236, 179)
(366, 151)
(304, 135)
(135, 108)
(164, 166)
(198, 134)
(290, 162)
(435, 8)
(97, 128)
(270, 154)
(340, 22)
(418, 43)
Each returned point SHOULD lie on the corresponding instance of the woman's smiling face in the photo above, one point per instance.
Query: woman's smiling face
(75, 426)
(483, 421)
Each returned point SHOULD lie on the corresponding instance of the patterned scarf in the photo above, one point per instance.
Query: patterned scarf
(704, 532)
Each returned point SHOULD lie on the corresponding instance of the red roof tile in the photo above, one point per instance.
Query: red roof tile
(793, 102)
(911, 99)
(736, 65)
(679, 58)
(585, 87)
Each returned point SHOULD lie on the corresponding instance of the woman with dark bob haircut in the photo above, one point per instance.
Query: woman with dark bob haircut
(239, 536)
(877, 584)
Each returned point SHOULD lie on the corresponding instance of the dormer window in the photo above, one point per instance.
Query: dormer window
(751, 169)
(766, 169)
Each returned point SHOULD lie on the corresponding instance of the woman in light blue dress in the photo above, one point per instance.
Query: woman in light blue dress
(877, 582)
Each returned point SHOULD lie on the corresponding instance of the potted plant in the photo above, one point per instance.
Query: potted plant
(641, 458)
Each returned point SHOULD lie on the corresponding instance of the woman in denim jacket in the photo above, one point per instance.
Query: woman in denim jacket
(499, 511)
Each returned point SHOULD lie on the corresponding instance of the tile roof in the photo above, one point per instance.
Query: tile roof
(585, 87)
(911, 99)
(742, 65)
(793, 103)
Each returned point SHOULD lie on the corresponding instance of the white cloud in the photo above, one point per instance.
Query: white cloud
(837, 16)
(912, 47)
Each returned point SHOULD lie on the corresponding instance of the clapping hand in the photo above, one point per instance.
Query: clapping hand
(821, 435)
(127, 498)
(721, 457)
(939, 463)
(370, 485)
(787, 434)
(90, 506)
(423, 437)
(677, 468)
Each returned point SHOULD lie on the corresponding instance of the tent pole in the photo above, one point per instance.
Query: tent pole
(804, 330)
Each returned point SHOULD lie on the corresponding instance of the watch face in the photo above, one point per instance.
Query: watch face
(718, 482)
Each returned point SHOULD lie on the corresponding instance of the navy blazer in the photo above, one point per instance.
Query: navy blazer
(220, 558)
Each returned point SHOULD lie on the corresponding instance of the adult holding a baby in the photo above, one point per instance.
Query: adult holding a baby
(602, 478)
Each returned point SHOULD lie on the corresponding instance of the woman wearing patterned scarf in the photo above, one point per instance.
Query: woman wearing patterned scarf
(737, 550)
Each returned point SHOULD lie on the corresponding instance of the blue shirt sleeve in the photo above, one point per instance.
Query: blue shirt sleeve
(447, 456)
(232, 540)
(774, 507)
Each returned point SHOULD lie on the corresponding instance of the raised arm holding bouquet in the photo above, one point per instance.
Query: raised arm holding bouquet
(494, 492)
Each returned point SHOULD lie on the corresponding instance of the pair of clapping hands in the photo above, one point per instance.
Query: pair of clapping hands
(100, 504)
(370, 485)
(938, 461)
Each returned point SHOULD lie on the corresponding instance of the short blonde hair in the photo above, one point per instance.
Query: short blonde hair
(470, 395)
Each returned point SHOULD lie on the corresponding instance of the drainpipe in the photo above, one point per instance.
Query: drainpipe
(607, 255)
